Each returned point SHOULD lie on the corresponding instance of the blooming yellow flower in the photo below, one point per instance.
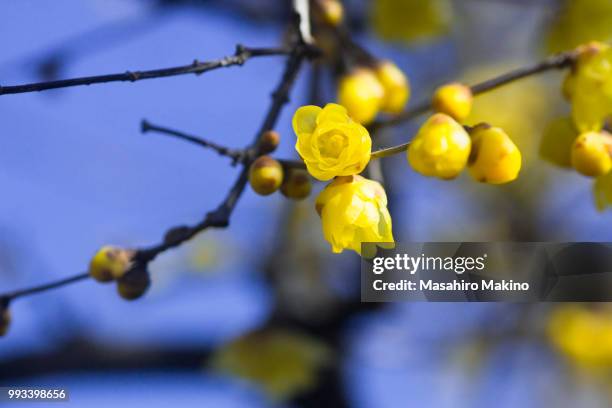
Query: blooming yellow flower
(330, 143)
(396, 86)
(440, 149)
(591, 154)
(361, 94)
(353, 210)
(494, 158)
(590, 87)
(453, 99)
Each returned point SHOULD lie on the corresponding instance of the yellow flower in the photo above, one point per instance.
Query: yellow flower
(353, 210)
(583, 335)
(453, 99)
(440, 149)
(494, 159)
(557, 141)
(330, 143)
(282, 362)
(396, 86)
(361, 94)
(110, 263)
(578, 21)
(330, 11)
(590, 87)
(602, 191)
(591, 154)
(410, 20)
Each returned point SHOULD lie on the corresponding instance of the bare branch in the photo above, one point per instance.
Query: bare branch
(241, 55)
(236, 155)
(559, 61)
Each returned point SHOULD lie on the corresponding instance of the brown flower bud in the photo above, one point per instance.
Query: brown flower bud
(269, 141)
(297, 185)
(5, 320)
(134, 283)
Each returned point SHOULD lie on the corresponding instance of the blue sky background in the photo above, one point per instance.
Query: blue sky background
(76, 173)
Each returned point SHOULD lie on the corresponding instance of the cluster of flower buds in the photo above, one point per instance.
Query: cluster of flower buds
(267, 175)
(443, 148)
(367, 90)
(112, 263)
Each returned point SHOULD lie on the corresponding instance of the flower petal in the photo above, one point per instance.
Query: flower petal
(305, 119)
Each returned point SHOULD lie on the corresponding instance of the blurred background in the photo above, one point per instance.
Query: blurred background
(262, 314)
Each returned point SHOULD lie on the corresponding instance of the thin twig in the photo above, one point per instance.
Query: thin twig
(6, 298)
(241, 55)
(559, 61)
(235, 154)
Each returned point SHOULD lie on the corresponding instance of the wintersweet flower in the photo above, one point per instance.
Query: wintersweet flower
(440, 149)
(494, 158)
(353, 210)
(330, 142)
(589, 86)
(362, 94)
(396, 86)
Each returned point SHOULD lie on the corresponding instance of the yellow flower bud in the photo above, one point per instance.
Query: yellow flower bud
(591, 155)
(329, 142)
(296, 185)
(557, 141)
(396, 86)
(5, 321)
(265, 175)
(110, 263)
(269, 141)
(330, 11)
(454, 100)
(134, 284)
(361, 94)
(440, 149)
(353, 210)
(494, 159)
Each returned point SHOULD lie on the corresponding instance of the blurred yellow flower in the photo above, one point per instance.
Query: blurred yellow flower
(557, 140)
(591, 154)
(440, 149)
(361, 93)
(494, 158)
(353, 210)
(282, 362)
(583, 335)
(580, 21)
(590, 88)
(396, 86)
(330, 143)
(410, 20)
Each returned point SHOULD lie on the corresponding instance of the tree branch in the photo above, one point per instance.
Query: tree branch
(241, 55)
(558, 61)
(235, 154)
